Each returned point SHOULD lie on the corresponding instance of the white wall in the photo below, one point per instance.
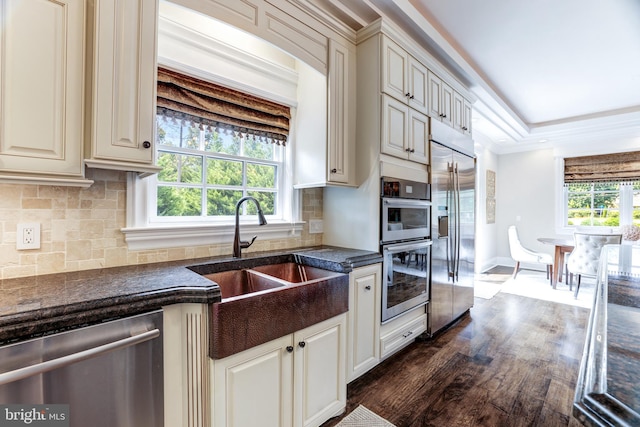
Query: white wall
(486, 234)
(525, 189)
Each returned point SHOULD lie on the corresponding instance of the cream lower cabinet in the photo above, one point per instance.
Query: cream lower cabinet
(363, 352)
(402, 331)
(295, 380)
(186, 365)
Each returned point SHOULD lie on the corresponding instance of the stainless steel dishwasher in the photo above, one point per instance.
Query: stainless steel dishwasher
(110, 374)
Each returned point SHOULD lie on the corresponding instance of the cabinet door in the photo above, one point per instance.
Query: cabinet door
(41, 88)
(458, 111)
(435, 93)
(395, 127)
(364, 320)
(395, 63)
(255, 387)
(320, 353)
(418, 137)
(446, 104)
(461, 114)
(124, 85)
(466, 113)
(341, 115)
(418, 86)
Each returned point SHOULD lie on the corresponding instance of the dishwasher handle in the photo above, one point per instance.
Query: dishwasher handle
(28, 371)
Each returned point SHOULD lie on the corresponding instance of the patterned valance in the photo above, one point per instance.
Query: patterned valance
(202, 103)
(603, 168)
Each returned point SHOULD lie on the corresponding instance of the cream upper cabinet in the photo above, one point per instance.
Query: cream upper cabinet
(440, 99)
(466, 114)
(325, 121)
(405, 131)
(296, 380)
(403, 77)
(341, 129)
(121, 125)
(41, 91)
(461, 114)
(363, 342)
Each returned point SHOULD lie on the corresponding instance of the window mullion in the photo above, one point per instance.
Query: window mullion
(626, 204)
(593, 203)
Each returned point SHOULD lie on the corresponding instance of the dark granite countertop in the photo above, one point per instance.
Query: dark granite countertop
(608, 388)
(40, 305)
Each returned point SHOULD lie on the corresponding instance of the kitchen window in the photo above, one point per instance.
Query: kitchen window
(215, 145)
(602, 191)
(206, 171)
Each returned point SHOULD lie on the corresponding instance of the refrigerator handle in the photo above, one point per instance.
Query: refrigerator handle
(451, 224)
(457, 222)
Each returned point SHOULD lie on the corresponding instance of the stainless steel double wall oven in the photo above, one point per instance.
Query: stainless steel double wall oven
(405, 245)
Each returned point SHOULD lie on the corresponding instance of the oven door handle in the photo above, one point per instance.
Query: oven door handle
(400, 247)
(410, 203)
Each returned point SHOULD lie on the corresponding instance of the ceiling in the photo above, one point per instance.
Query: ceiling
(560, 72)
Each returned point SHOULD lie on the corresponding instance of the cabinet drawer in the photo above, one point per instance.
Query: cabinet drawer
(402, 336)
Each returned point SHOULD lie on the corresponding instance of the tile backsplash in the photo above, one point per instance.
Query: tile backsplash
(80, 228)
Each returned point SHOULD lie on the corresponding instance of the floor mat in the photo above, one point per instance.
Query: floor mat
(362, 417)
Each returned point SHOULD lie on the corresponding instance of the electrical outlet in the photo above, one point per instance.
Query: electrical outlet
(315, 226)
(28, 236)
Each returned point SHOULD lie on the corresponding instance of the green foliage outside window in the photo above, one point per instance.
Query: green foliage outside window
(594, 204)
(226, 167)
(598, 204)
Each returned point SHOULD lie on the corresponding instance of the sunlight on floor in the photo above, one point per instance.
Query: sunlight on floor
(532, 284)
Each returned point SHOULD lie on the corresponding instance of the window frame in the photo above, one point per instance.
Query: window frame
(142, 234)
(562, 206)
(279, 163)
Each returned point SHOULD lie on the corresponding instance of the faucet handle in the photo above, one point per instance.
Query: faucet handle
(244, 244)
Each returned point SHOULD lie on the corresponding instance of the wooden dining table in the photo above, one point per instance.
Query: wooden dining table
(562, 246)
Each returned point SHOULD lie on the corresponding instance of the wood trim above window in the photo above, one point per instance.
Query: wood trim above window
(603, 168)
(204, 103)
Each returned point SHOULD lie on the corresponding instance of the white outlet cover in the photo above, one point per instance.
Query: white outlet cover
(23, 230)
(315, 226)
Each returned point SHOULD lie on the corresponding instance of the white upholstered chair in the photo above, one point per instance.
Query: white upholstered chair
(521, 254)
(585, 256)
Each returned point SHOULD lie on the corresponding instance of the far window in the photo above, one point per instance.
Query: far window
(595, 204)
(602, 191)
(205, 172)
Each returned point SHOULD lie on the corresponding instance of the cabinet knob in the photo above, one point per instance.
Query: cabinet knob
(368, 287)
(146, 144)
(408, 94)
(334, 170)
(289, 349)
(411, 97)
(302, 344)
(413, 150)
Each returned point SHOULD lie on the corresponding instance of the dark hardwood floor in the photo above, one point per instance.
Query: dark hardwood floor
(512, 361)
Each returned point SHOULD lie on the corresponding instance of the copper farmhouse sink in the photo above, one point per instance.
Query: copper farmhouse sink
(236, 283)
(294, 273)
(262, 303)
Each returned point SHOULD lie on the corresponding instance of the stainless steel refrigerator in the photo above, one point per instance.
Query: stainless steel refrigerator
(452, 231)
